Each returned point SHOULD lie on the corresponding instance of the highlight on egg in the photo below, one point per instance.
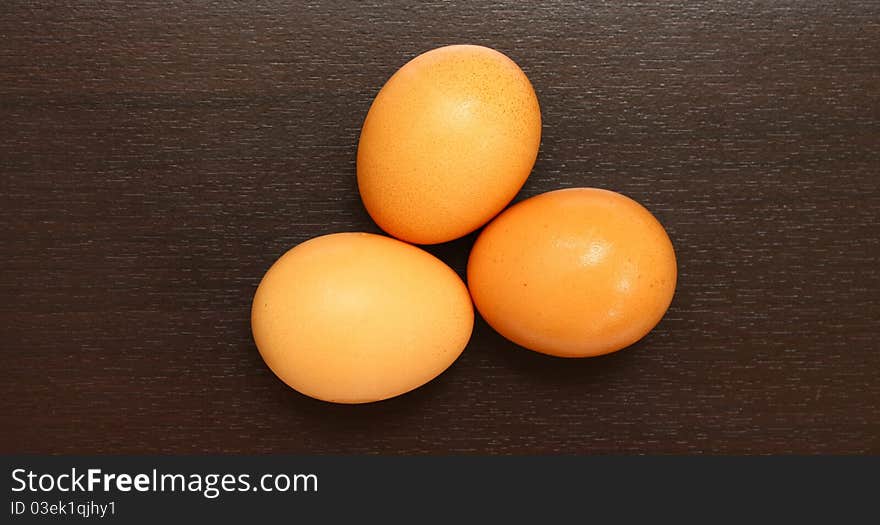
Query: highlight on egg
(573, 273)
(358, 317)
(447, 143)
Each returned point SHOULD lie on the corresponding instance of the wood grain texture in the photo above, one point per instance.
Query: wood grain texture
(157, 156)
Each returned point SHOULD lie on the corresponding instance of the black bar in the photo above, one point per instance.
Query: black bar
(417, 489)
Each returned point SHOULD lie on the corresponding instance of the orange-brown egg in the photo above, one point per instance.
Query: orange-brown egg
(447, 143)
(573, 273)
(357, 317)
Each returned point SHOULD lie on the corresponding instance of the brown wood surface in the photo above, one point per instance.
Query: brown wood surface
(157, 156)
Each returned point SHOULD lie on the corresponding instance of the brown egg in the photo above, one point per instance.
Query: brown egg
(573, 273)
(357, 317)
(447, 143)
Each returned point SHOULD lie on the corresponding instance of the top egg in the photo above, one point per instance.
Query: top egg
(448, 142)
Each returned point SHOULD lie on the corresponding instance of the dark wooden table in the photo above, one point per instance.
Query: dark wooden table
(157, 156)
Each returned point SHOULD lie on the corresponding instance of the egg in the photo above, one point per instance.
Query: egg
(447, 143)
(573, 273)
(358, 317)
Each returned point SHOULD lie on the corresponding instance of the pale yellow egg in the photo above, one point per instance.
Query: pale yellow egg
(358, 317)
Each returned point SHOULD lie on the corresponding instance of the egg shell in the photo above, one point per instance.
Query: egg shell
(447, 143)
(358, 317)
(573, 273)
